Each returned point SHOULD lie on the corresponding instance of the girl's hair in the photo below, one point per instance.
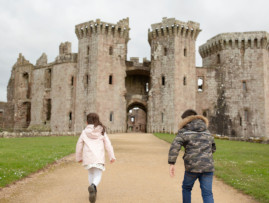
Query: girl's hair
(93, 118)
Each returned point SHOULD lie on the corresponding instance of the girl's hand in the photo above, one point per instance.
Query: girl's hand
(112, 161)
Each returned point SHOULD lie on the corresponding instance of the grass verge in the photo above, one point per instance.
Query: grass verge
(21, 156)
(243, 165)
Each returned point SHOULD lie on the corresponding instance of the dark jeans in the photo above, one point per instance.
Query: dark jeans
(205, 180)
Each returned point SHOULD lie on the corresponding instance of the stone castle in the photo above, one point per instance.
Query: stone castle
(231, 88)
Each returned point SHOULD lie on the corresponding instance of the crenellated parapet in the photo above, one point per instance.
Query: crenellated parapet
(98, 27)
(173, 27)
(237, 40)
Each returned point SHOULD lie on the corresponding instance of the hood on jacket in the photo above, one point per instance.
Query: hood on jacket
(194, 123)
(93, 132)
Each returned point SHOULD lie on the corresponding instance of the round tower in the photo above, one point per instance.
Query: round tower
(172, 72)
(100, 80)
(237, 65)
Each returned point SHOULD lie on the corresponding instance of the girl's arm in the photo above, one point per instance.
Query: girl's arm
(109, 148)
(79, 148)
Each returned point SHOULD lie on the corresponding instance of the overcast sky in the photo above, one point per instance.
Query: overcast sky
(32, 27)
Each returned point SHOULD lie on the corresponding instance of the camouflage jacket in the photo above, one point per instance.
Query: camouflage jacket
(198, 143)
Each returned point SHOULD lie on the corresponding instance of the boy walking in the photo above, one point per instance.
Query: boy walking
(199, 145)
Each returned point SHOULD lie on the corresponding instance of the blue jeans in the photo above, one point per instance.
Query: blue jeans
(205, 180)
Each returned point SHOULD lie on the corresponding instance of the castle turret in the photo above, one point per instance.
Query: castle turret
(172, 72)
(100, 85)
(237, 98)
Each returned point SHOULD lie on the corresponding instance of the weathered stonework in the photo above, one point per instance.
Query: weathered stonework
(233, 87)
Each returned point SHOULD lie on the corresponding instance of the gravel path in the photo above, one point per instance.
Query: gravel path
(140, 175)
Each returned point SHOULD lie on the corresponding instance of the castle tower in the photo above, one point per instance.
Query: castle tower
(100, 81)
(237, 79)
(172, 73)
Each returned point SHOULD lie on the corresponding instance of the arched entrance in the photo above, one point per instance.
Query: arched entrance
(136, 117)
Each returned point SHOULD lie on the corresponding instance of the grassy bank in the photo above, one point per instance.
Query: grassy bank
(243, 165)
(21, 156)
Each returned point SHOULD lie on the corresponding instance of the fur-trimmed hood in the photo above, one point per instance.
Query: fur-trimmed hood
(195, 123)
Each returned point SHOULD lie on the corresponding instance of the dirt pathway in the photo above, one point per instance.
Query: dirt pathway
(140, 175)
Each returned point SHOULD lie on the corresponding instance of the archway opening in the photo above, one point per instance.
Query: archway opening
(136, 118)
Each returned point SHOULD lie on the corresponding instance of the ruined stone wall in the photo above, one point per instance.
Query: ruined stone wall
(102, 55)
(172, 73)
(6, 115)
(137, 121)
(238, 59)
(19, 92)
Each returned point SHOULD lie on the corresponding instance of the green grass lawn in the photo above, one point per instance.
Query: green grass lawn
(21, 156)
(243, 165)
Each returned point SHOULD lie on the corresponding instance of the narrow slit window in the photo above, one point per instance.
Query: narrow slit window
(163, 80)
(88, 50)
(48, 110)
(185, 52)
(184, 80)
(218, 59)
(111, 117)
(165, 51)
(72, 81)
(244, 86)
(240, 121)
(162, 117)
(70, 116)
(110, 80)
(246, 115)
(200, 84)
(110, 50)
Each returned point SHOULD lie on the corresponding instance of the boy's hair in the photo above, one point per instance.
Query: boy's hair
(93, 118)
(188, 112)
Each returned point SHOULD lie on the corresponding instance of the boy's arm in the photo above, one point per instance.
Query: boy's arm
(175, 148)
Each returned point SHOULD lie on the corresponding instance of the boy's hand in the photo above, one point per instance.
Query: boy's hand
(112, 161)
(80, 161)
(172, 170)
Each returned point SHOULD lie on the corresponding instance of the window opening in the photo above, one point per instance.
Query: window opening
(162, 117)
(218, 59)
(48, 116)
(72, 81)
(200, 84)
(163, 80)
(132, 119)
(88, 50)
(184, 81)
(185, 52)
(110, 80)
(246, 115)
(165, 51)
(111, 116)
(110, 50)
(147, 87)
(244, 86)
(240, 121)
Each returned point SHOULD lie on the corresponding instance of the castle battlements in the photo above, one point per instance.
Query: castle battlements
(173, 27)
(87, 29)
(236, 40)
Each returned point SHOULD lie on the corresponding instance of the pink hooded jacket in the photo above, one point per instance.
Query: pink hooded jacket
(91, 146)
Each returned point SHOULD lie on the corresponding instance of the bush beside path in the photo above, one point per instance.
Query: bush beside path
(140, 174)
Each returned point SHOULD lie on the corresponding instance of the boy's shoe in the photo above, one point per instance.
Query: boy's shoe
(92, 193)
